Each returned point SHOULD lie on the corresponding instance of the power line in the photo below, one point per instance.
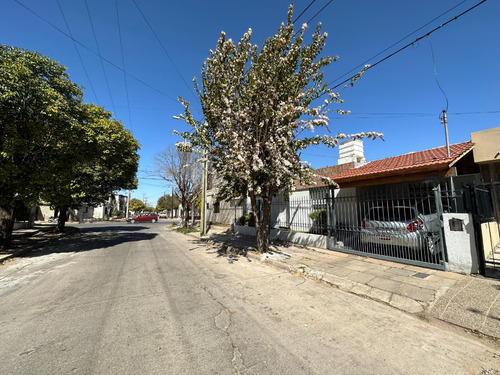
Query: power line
(396, 43)
(313, 17)
(435, 73)
(123, 63)
(100, 56)
(412, 43)
(78, 53)
(371, 115)
(305, 10)
(95, 53)
(164, 49)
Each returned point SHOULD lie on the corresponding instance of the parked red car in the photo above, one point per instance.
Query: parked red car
(152, 217)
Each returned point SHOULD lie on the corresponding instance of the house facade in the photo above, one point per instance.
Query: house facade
(487, 156)
(116, 202)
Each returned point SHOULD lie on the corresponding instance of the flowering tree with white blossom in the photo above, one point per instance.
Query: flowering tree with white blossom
(259, 108)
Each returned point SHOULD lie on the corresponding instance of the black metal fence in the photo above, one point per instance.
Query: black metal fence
(393, 222)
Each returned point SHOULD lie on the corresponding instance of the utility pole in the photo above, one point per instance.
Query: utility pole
(128, 203)
(204, 195)
(444, 121)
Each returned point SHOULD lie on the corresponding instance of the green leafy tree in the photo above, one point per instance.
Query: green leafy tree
(53, 146)
(37, 102)
(161, 204)
(258, 107)
(167, 203)
(136, 205)
(99, 157)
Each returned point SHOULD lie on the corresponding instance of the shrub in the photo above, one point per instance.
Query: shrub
(241, 220)
(187, 230)
(247, 219)
(319, 221)
(251, 219)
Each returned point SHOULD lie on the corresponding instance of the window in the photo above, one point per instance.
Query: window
(216, 207)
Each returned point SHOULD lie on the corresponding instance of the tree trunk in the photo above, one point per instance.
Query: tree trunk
(32, 216)
(6, 226)
(262, 222)
(61, 220)
(185, 214)
(193, 213)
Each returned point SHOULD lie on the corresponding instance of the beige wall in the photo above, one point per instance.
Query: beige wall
(491, 237)
(487, 154)
(486, 146)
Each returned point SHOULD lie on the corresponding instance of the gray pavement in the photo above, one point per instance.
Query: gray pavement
(468, 301)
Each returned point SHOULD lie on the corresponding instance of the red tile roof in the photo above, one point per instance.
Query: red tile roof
(436, 157)
(326, 172)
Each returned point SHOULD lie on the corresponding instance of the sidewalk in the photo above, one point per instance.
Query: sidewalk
(25, 240)
(17, 236)
(471, 302)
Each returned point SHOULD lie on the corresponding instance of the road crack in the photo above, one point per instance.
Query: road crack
(223, 321)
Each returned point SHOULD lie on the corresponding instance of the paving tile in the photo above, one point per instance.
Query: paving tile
(416, 293)
(360, 277)
(407, 280)
(361, 289)
(418, 269)
(384, 284)
(342, 284)
(380, 261)
(400, 271)
(338, 271)
(450, 275)
(378, 273)
(380, 295)
(406, 304)
(441, 281)
(378, 267)
(357, 265)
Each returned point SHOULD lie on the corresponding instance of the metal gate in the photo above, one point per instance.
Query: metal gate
(399, 223)
(478, 201)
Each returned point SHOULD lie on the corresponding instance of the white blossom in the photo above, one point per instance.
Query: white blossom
(257, 120)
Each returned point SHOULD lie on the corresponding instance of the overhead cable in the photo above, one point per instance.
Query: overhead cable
(78, 53)
(164, 49)
(95, 53)
(396, 43)
(305, 10)
(123, 62)
(412, 43)
(100, 56)
(322, 9)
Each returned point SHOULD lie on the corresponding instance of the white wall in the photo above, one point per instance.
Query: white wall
(305, 239)
(461, 245)
(299, 209)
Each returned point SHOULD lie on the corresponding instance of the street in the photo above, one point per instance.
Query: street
(139, 298)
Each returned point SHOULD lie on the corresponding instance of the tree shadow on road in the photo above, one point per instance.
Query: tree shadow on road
(86, 239)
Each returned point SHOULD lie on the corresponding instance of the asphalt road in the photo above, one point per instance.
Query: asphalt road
(141, 299)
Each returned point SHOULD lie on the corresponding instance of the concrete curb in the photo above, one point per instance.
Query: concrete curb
(393, 299)
(466, 301)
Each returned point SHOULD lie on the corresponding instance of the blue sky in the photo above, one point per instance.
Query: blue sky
(399, 97)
